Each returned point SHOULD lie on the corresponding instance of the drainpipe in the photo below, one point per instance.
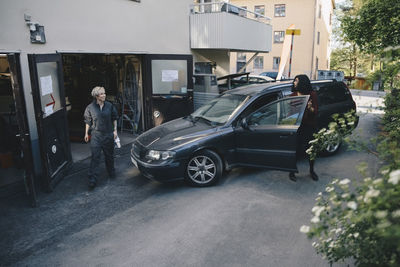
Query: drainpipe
(313, 43)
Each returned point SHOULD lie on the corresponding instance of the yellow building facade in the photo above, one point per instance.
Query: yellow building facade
(311, 49)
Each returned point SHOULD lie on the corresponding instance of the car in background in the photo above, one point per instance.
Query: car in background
(251, 79)
(272, 74)
(255, 125)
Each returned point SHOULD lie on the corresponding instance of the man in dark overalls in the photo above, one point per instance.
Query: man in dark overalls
(101, 117)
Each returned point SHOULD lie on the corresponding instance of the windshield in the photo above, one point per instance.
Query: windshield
(220, 109)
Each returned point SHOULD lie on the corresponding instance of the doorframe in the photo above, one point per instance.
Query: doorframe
(24, 135)
(148, 83)
(47, 181)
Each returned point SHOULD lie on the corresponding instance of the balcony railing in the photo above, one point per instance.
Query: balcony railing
(224, 26)
(217, 7)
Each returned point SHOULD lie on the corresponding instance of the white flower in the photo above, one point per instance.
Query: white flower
(305, 229)
(344, 182)
(396, 214)
(351, 123)
(308, 151)
(352, 205)
(370, 194)
(378, 181)
(381, 214)
(345, 195)
(338, 230)
(317, 210)
(367, 179)
(329, 132)
(384, 172)
(313, 141)
(394, 177)
(329, 189)
(356, 235)
(335, 181)
(315, 244)
(322, 130)
(315, 219)
(320, 194)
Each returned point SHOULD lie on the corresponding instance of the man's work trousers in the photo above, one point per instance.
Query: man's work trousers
(101, 142)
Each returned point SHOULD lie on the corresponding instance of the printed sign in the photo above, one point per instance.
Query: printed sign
(46, 85)
(169, 76)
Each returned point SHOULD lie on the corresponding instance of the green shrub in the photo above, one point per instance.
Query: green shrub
(361, 221)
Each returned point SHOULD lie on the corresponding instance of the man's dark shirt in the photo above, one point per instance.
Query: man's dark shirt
(101, 120)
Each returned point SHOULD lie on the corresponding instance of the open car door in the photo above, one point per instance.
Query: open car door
(268, 136)
(51, 116)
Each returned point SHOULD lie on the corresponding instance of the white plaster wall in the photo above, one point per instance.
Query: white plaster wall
(97, 26)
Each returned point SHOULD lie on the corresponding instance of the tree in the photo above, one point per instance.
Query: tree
(374, 26)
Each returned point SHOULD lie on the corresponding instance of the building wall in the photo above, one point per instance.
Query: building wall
(221, 58)
(150, 26)
(305, 48)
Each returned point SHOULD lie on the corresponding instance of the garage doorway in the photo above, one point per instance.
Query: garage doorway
(121, 76)
(16, 171)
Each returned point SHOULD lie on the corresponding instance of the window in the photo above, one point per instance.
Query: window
(169, 76)
(316, 63)
(242, 12)
(259, 62)
(259, 10)
(275, 63)
(279, 36)
(241, 57)
(280, 10)
(331, 94)
(318, 36)
(319, 11)
(240, 61)
(330, 19)
(284, 112)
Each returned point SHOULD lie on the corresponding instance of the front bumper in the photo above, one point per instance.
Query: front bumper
(163, 172)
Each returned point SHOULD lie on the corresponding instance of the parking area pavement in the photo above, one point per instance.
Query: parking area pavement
(251, 218)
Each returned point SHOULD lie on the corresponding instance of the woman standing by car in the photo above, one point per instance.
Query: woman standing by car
(302, 86)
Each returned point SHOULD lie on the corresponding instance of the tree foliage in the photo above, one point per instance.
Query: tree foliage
(374, 26)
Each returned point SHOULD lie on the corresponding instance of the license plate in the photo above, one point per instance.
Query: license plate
(134, 162)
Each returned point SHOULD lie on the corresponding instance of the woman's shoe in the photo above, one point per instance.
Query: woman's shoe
(292, 176)
(314, 176)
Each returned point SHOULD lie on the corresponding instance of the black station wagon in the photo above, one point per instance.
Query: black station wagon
(255, 125)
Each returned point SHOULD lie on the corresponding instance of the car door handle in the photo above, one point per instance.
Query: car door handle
(284, 136)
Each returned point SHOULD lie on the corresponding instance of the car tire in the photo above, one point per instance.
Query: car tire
(204, 168)
(333, 147)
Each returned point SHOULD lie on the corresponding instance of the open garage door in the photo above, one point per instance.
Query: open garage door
(51, 116)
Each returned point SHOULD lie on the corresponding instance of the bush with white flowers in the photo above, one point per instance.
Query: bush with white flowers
(339, 128)
(361, 221)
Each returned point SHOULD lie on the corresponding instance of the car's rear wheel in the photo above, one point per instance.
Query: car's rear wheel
(332, 147)
(204, 168)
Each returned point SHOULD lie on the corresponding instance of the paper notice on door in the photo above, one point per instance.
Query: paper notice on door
(169, 76)
(46, 85)
(48, 110)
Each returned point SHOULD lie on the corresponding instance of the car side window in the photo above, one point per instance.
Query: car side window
(331, 94)
(286, 111)
(261, 101)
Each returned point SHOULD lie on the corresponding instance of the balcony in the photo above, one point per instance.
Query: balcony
(228, 27)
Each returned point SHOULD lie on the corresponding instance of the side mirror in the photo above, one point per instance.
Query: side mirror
(244, 124)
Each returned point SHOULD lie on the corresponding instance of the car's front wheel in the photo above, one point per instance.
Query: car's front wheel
(204, 168)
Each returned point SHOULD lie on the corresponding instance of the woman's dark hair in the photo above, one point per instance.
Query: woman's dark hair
(304, 84)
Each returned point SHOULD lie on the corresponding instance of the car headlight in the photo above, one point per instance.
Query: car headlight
(157, 155)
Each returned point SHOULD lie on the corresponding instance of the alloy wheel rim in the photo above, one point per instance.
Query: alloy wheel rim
(334, 145)
(201, 169)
